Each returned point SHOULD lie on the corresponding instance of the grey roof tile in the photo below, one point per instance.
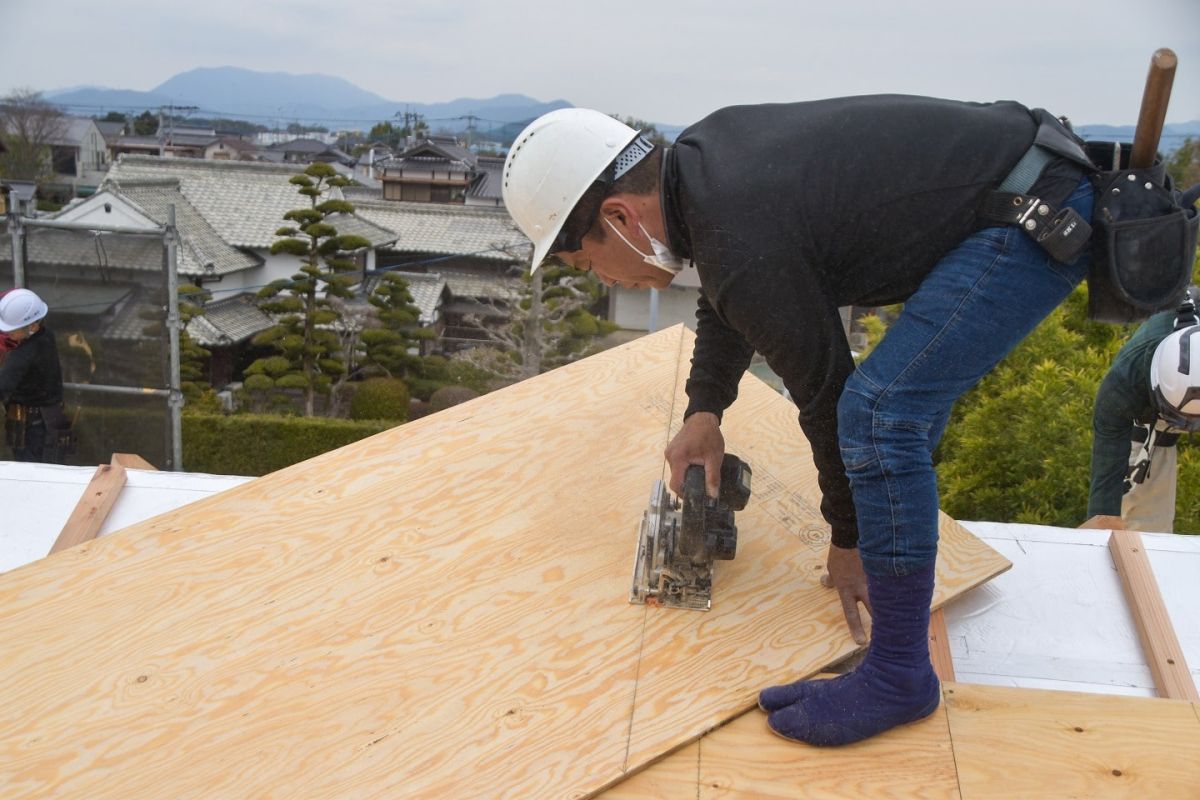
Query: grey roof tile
(202, 245)
(243, 201)
(447, 229)
(228, 321)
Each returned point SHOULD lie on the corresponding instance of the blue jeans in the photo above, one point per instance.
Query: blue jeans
(976, 304)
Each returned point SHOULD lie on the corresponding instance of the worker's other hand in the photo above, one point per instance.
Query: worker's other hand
(699, 441)
(845, 573)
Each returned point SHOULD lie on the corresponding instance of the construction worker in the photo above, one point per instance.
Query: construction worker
(1148, 398)
(788, 212)
(31, 386)
(6, 343)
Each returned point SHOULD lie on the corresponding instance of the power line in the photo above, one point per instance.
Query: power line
(230, 115)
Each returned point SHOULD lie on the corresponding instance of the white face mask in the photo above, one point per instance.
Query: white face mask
(662, 257)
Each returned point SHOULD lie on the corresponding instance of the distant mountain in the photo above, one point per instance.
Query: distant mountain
(272, 98)
(1174, 134)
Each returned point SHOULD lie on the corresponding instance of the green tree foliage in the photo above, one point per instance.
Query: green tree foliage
(193, 359)
(28, 125)
(544, 323)
(387, 348)
(380, 398)
(1018, 447)
(305, 336)
(145, 124)
(648, 129)
(1184, 164)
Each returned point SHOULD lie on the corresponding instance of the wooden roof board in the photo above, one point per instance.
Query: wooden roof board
(437, 611)
(983, 742)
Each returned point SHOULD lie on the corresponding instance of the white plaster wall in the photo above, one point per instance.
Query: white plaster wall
(630, 308)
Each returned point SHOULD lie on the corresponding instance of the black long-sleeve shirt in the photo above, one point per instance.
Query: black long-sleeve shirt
(30, 374)
(790, 211)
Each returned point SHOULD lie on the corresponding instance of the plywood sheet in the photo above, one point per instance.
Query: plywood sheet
(981, 743)
(436, 611)
(1026, 743)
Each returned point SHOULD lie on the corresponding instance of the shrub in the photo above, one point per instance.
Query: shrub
(448, 396)
(255, 444)
(380, 398)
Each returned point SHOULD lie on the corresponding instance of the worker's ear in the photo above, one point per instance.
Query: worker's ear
(618, 211)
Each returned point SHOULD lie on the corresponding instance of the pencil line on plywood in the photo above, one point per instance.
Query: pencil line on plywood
(633, 701)
(950, 739)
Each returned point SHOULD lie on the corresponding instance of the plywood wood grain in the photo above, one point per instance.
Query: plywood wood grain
(1028, 743)
(437, 611)
(983, 743)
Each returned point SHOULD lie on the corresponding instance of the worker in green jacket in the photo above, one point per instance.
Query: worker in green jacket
(1150, 396)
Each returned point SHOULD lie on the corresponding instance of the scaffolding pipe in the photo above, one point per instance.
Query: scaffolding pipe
(102, 388)
(175, 397)
(83, 226)
(17, 232)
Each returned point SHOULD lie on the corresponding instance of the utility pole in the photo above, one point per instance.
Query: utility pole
(170, 109)
(471, 119)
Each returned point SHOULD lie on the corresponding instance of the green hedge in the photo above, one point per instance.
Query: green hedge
(255, 444)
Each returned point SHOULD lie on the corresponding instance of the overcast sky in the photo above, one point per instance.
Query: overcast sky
(670, 62)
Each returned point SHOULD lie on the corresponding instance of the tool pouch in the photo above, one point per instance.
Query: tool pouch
(1143, 240)
(60, 438)
(16, 417)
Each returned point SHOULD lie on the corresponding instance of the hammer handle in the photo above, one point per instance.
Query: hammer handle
(1154, 108)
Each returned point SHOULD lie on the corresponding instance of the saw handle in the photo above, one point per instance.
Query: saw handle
(1154, 108)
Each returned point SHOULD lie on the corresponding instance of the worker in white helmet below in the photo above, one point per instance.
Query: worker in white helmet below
(1149, 397)
(788, 212)
(31, 386)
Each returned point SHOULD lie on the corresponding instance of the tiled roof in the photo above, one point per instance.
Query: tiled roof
(243, 201)
(201, 244)
(72, 131)
(426, 290)
(487, 181)
(137, 318)
(110, 130)
(228, 321)
(447, 229)
(48, 246)
(474, 284)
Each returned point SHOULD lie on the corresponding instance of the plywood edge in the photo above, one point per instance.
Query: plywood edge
(939, 646)
(132, 461)
(1106, 522)
(1164, 655)
(93, 507)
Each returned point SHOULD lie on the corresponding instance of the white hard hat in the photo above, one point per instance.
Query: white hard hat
(552, 163)
(19, 308)
(1175, 378)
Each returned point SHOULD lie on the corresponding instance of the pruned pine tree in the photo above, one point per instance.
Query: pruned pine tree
(193, 359)
(546, 322)
(387, 348)
(309, 354)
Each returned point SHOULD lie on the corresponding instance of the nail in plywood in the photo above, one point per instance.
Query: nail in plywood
(93, 507)
(1159, 642)
(1011, 743)
(436, 611)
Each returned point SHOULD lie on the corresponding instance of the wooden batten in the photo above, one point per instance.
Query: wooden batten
(1164, 655)
(93, 507)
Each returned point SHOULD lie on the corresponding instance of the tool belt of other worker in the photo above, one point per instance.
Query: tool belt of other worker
(1142, 232)
(18, 419)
